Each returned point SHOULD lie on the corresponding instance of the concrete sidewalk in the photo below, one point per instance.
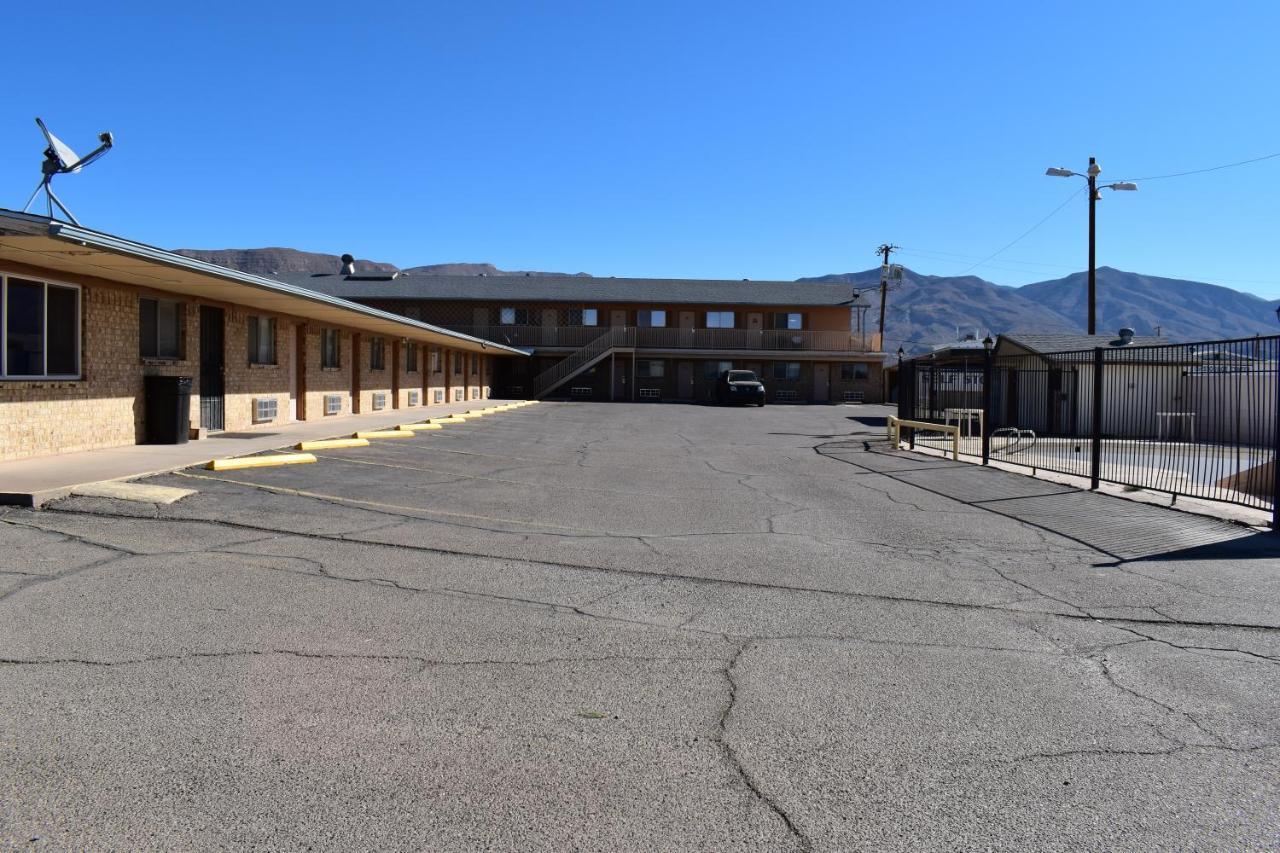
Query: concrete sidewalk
(32, 482)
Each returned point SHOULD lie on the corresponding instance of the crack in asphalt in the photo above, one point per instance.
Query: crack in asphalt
(1126, 753)
(735, 762)
(350, 538)
(422, 661)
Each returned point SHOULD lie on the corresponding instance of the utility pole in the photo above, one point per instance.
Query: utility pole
(884, 250)
(1092, 172)
(1091, 176)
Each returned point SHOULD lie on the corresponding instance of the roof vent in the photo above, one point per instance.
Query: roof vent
(1126, 336)
(348, 265)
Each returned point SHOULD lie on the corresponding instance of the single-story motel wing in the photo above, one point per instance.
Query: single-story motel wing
(86, 316)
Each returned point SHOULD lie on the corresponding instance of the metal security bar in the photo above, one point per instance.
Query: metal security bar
(1196, 419)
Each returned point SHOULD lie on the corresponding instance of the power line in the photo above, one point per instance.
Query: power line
(1019, 238)
(1210, 169)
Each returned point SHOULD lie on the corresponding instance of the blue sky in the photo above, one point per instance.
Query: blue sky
(734, 140)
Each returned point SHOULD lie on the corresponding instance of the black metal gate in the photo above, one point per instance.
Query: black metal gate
(212, 387)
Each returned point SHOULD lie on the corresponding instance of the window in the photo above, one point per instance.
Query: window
(435, 361)
(513, 316)
(475, 365)
(583, 317)
(377, 353)
(650, 369)
(40, 326)
(262, 340)
(411, 359)
(787, 371)
(159, 328)
(788, 321)
(330, 352)
(457, 363)
(719, 319)
(651, 319)
(854, 371)
(713, 369)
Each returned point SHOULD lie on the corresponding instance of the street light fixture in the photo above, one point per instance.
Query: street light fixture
(987, 343)
(1095, 193)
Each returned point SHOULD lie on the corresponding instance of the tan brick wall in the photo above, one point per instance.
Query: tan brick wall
(105, 408)
(374, 381)
(411, 381)
(245, 382)
(323, 381)
(436, 378)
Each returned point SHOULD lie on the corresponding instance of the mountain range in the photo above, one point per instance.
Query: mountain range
(927, 310)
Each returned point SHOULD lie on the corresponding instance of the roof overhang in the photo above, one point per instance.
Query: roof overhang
(75, 251)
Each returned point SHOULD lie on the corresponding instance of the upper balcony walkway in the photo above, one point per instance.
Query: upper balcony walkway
(667, 338)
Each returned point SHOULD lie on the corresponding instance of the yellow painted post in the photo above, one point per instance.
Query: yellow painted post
(331, 444)
(271, 461)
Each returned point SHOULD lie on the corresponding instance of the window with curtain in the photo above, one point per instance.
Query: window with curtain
(262, 340)
(160, 328)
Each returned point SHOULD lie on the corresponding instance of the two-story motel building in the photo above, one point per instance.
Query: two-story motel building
(642, 339)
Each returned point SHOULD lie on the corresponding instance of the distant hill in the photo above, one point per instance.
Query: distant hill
(479, 269)
(278, 260)
(926, 310)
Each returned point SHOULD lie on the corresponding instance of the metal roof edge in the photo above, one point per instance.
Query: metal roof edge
(119, 245)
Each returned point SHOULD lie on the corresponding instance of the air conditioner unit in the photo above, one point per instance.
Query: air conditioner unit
(264, 409)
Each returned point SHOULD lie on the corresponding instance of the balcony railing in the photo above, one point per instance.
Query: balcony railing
(673, 338)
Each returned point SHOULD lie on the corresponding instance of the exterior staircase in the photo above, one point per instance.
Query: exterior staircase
(616, 338)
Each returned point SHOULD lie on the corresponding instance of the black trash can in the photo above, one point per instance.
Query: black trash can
(167, 409)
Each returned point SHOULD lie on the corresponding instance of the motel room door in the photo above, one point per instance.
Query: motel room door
(821, 382)
(212, 378)
(684, 380)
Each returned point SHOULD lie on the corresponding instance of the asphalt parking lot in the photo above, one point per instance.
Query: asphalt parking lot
(610, 626)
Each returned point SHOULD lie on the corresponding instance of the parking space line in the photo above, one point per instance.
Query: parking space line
(360, 503)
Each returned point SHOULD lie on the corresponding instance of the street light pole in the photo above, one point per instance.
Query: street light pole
(1091, 176)
(1093, 254)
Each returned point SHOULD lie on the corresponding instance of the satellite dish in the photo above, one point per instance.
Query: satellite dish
(59, 159)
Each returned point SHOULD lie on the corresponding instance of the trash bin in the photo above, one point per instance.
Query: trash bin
(167, 409)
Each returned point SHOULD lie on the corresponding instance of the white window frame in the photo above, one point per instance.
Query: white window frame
(4, 330)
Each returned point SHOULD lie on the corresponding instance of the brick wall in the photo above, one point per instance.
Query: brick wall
(324, 381)
(105, 408)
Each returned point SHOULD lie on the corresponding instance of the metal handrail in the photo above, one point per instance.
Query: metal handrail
(677, 338)
(614, 336)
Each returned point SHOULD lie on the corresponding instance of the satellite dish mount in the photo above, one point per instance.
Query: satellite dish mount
(59, 159)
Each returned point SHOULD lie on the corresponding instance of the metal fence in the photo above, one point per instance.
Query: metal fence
(1196, 419)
